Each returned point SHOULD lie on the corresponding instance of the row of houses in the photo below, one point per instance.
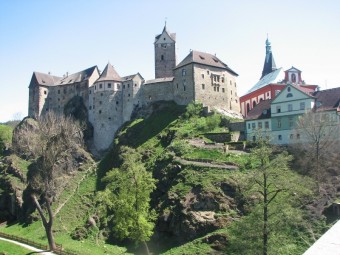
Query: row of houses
(278, 118)
(273, 106)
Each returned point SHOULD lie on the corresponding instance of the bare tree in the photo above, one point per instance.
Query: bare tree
(49, 141)
(320, 131)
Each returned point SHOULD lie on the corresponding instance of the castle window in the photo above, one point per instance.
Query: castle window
(45, 92)
(230, 83)
(214, 88)
(109, 85)
(208, 72)
(162, 57)
(279, 123)
(100, 86)
(223, 90)
(58, 99)
(202, 75)
(118, 86)
(100, 111)
(135, 84)
(95, 87)
(90, 91)
(117, 102)
(58, 91)
(123, 86)
(302, 105)
(177, 85)
(184, 72)
(65, 90)
(101, 94)
(183, 88)
(231, 92)
(278, 108)
(280, 137)
(290, 107)
(218, 89)
(90, 107)
(235, 84)
(128, 94)
(222, 79)
(100, 102)
(203, 86)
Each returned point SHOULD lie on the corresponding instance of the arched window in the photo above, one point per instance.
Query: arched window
(293, 77)
(254, 104)
(248, 107)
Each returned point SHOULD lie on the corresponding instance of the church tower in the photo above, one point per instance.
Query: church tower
(165, 54)
(269, 63)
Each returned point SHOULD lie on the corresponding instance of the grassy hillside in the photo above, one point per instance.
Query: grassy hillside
(200, 189)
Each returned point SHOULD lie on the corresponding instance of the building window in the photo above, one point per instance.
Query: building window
(291, 123)
(100, 102)
(208, 72)
(118, 86)
(162, 57)
(266, 124)
(177, 85)
(129, 95)
(90, 107)
(279, 123)
(288, 89)
(235, 84)
(291, 136)
(259, 125)
(203, 86)
(183, 88)
(100, 111)
(65, 90)
(101, 94)
(100, 86)
(58, 91)
(280, 137)
(254, 138)
(184, 72)
(253, 125)
(128, 85)
(297, 136)
(202, 75)
(290, 107)
(223, 90)
(109, 85)
(278, 108)
(135, 84)
(222, 79)
(218, 89)
(289, 95)
(90, 91)
(214, 88)
(302, 105)
(95, 87)
(248, 125)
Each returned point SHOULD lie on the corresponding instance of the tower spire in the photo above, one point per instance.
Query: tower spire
(269, 63)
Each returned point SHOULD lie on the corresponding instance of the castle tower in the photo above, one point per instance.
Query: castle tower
(105, 107)
(269, 63)
(165, 54)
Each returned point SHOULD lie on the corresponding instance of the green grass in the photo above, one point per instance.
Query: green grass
(12, 249)
(217, 155)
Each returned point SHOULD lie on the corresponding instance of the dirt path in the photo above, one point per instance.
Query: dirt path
(28, 247)
(206, 164)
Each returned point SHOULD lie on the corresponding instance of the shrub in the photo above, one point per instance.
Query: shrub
(180, 147)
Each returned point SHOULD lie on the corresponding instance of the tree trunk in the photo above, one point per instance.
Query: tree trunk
(147, 252)
(47, 225)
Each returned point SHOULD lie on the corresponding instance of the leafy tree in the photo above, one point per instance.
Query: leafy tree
(127, 194)
(194, 110)
(319, 136)
(49, 142)
(277, 194)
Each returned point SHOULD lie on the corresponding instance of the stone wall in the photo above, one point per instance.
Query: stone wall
(183, 85)
(159, 91)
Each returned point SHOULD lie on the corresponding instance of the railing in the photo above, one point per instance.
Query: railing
(59, 249)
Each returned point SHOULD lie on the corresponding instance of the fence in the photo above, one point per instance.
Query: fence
(59, 250)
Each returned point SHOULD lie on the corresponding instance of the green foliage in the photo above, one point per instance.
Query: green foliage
(180, 147)
(193, 110)
(276, 196)
(5, 137)
(127, 194)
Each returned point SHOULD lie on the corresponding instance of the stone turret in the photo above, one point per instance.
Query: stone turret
(165, 54)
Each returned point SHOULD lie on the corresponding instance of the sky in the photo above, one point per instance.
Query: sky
(60, 36)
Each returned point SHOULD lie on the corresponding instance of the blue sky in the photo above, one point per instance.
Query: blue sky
(70, 35)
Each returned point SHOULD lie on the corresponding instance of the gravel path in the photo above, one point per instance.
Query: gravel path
(206, 164)
(28, 247)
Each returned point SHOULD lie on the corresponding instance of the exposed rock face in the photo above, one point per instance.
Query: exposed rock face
(197, 214)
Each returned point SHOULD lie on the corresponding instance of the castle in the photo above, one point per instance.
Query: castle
(111, 98)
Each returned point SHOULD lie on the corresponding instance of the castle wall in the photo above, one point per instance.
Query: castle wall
(165, 56)
(131, 96)
(183, 85)
(159, 91)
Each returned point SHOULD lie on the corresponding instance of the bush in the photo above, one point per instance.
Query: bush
(180, 147)
(194, 110)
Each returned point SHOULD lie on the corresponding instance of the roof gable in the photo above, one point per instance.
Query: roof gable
(165, 37)
(289, 93)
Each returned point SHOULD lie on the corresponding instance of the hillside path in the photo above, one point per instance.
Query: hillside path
(28, 247)
(206, 164)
